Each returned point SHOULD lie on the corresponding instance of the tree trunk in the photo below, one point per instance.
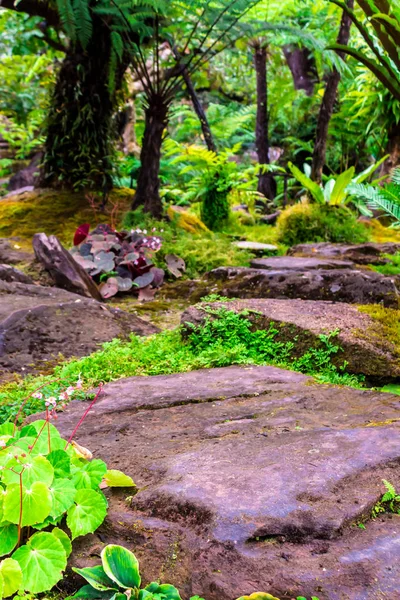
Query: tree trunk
(199, 110)
(266, 182)
(148, 183)
(328, 103)
(301, 63)
(197, 105)
(393, 149)
(80, 129)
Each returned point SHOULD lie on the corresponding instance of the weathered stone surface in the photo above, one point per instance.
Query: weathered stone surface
(337, 285)
(249, 478)
(256, 247)
(9, 273)
(363, 340)
(27, 177)
(296, 263)
(37, 324)
(11, 253)
(65, 271)
(362, 254)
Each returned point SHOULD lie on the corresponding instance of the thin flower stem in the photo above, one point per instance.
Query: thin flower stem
(84, 415)
(27, 398)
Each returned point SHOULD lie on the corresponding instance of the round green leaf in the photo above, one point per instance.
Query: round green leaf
(8, 538)
(64, 539)
(121, 566)
(62, 496)
(12, 576)
(7, 429)
(97, 578)
(42, 444)
(88, 512)
(115, 478)
(33, 468)
(61, 463)
(42, 561)
(87, 592)
(36, 503)
(88, 475)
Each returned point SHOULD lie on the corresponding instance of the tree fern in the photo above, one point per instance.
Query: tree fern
(67, 17)
(83, 22)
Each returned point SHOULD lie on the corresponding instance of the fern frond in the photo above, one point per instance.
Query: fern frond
(83, 21)
(67, 17)
(389, 488)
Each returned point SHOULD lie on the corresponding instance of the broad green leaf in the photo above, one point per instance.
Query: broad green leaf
(119, 596)
(42, 561)
(33, 468)
(338, 194)
(8, 538)
(167, 591)
(1, 586)
(7, 429)
(307, 183)
(27, 431)
(115, 478)
(43, 445)
(48, 521)
(97, 578)
(363, 176)
(64, 539)
(121, 566)
(62, 496)
(36, 503)
(12, 576)
(88, 475)
(8, 455)
(87, 592)
(88, 512)
(61, 463)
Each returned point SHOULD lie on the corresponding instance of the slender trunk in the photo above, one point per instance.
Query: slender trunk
(393, 149)
(301, 63)
(197, 105)
(200, 112)
(328, 103)
(148, 183)
(80, 128)
(266, 182)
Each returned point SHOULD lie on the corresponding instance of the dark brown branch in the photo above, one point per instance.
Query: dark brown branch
(34, 8)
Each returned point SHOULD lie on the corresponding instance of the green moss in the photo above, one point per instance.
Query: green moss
(55, 212)
(304, 222)
(226, 340)
(392, 267)
(388, 325)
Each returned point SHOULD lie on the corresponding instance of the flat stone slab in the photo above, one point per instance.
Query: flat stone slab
(295, 263)
(360, 254)
(249, 478)
(365, 347)
(352, 286)
(256, 247)
(37, 324)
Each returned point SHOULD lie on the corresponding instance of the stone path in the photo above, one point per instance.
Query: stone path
(249, 478)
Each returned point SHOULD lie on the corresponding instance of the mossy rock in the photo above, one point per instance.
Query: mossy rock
(55, 212)
(368, 345)
(305, 222)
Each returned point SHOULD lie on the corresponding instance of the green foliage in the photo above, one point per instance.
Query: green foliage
(225, 339)
(385, 199)
(305, 222)
(118, 577)
(381, 34)
(390, 501)
(45, 480)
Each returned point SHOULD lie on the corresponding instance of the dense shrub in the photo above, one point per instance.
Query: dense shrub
(305, 222)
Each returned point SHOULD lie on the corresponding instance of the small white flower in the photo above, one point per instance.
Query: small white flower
(37, 395)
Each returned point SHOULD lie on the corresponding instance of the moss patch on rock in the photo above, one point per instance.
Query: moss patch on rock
(55, 213)
(386, 330)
